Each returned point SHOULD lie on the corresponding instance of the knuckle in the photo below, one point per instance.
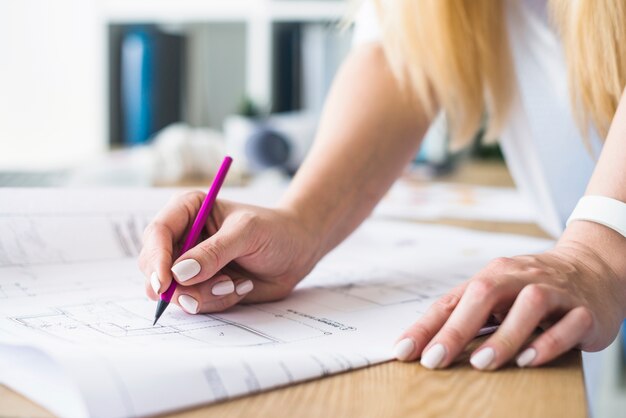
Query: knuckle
(507, 343)
(212, 252)
(585, 318)
(148, 230)
(248, 219)
(446, 304)
(188, 195)
(420, 333)
(154, 255)
(454, 336)
(534, 296)
(552, 342)
(501, 263)
(156, 227)
(481, 289)
(149, 260)
(535, 271)
(192, 202)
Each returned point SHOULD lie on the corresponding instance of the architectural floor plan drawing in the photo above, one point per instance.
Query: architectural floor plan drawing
(73, 309)
(120, 323)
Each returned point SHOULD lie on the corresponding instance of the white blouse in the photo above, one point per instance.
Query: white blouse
(542, 145)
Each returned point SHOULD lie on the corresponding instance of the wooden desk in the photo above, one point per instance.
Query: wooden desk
(400, 390)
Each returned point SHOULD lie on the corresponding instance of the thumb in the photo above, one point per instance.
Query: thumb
(204, 260)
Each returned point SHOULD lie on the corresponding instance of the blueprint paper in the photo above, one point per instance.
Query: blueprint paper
(76, 330)
(432, 201)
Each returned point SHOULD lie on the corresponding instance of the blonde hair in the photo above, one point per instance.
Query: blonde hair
(594, 38)
(455, 55)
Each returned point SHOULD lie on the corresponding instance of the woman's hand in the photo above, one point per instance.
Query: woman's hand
(251, 253)
(570, 292)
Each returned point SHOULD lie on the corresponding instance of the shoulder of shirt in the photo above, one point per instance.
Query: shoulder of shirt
(366, 24)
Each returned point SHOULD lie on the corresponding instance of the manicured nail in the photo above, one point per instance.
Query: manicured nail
(245, 287)
(526, 357)
(433, 357)
(188, 303)
(186, 269)
(155, 283)
(223, 288)
(483, 358)
(403, 349)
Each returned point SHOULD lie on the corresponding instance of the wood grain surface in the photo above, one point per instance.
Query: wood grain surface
(400, 390)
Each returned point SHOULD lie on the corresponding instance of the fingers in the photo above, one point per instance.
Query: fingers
(207, 258)
(167, 228)
(215, 295)
(471, 313)
(412, 341)
(156, 258)
(566, 334)
(531, 306)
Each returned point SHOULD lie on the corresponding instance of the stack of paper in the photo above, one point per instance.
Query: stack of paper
(76, 330)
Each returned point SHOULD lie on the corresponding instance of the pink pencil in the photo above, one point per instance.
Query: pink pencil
(196, 230)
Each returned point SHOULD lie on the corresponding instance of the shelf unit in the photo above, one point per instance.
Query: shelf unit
(58, 65)
(258, 15)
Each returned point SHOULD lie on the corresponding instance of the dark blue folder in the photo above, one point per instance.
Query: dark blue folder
(151, 82)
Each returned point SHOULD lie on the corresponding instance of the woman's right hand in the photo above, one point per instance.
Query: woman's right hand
(346, 172)
(252, 253)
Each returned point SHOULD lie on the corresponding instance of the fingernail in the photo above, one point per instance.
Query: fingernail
(483, 358)
(404, 348)
(526, 357)
(155, 283)
(186, 269)
(188, 303)
(433, 357)
(245, 287)
(223, 288)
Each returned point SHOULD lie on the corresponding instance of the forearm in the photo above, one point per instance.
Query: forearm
(609, 179)
(368, 133)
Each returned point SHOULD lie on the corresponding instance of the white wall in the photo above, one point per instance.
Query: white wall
(51, 83)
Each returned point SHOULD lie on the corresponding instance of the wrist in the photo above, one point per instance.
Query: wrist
(318, 218)
(305, 235)
(599, 223)
(601, 250)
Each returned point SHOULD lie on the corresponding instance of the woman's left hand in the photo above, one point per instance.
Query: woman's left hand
(569, 291)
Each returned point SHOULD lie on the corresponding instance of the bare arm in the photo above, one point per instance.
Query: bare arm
(609, 179)
(369, 131)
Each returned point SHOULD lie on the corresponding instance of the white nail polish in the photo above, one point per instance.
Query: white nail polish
(245, 287)
(155, 283)
(526, 357)
(188, 303)
(483, 358)
(186, 269)
(433, 357)
(403, 349)
(223, 288)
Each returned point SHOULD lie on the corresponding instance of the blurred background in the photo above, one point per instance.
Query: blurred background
(154, 92)
(149, 92)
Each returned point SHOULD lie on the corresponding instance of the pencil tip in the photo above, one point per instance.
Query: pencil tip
(160, 309)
